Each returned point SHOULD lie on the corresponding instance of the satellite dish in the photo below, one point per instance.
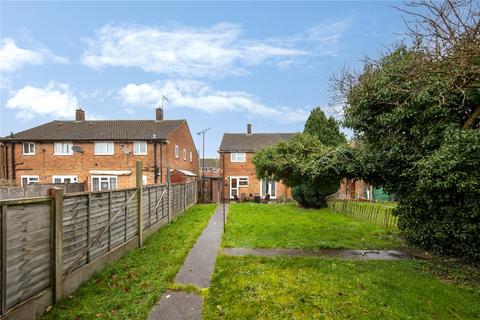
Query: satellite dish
(76, 149)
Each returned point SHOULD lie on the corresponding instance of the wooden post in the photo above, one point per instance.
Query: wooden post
(138, 172)
(109, 220)
(3, 257)
(89, 198)
(185, 196)
(57, 256)
(169, 196)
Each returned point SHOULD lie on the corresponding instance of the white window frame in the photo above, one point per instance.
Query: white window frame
(30, 152)
(69, 153)
(234, 157)
(108, 153)
(176, 151)
(138, 144)
(191, 156)
(73, 179)
(261, 187)
(100, 182)
(243, 178)
(184, 154)
(28, 179)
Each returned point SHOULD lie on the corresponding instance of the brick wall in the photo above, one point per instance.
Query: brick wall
(354, 189)
(247, 169)
(45, 164)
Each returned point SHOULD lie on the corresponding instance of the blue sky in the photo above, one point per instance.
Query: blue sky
(221, 64)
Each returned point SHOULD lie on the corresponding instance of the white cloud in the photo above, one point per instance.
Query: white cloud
(211, 51)
(14, 58)
(55, 100)
(198, 95)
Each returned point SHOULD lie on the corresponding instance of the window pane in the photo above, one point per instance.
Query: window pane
(95, 184)
(104, 185)
(113, 183)
(272, 188)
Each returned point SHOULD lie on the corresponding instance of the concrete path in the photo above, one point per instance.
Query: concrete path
(197, 269)
(325, 253)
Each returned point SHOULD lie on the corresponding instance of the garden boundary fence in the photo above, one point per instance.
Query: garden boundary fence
(374, 213)
(50, 245)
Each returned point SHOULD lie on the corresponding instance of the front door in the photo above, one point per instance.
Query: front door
(233, 187)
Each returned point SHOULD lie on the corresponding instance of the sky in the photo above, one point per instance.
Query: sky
(221, 65)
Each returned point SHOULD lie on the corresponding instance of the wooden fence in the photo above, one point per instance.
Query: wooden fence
(50, 245)
(374, 213)
(38, 190)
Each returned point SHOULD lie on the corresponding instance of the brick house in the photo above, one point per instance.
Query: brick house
(210, 167)
(236, 154)
(100, 153)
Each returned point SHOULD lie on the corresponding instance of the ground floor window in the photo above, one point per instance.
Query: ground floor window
(64, 179)
(268, 187)
(104, 183)
(29, 180)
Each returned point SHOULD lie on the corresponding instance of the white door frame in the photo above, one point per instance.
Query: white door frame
(268, 186)
(230, 187)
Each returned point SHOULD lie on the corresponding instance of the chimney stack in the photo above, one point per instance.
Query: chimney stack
(249, 128)
(79, 115)
(159, 114)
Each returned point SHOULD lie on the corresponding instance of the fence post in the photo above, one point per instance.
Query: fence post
(169, 196)
(185, 196)
(57, 256)
(3, 257)
(138, 172)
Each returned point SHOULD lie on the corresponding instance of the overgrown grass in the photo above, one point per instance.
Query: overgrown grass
(129, 287)
(312, 288)
(286, 226)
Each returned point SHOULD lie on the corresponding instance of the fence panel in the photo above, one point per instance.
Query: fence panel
(94, 225)
(27, 235)
(374, 213)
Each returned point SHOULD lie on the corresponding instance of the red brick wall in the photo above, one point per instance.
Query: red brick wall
(247, 169)
(354, 189)
(45, 164)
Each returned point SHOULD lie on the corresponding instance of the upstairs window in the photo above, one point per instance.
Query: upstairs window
(238, 157)
(104, 148)
(191, 156)
(184, 155)
(63, 148)
(140, 148)
(176, 151)
(28, 148)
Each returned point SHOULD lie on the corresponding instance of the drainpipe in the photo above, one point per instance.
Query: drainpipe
(161, 162)
(155, 167)
(12, 151)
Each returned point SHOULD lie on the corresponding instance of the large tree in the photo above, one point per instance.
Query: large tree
(415, 113)
(313, 163)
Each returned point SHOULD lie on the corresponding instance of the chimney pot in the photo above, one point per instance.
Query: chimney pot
(249, 128)
(79, 115)
(159, 114)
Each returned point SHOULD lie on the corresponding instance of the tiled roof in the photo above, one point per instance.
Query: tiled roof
(209, 163)
(98, 130)
(251, 142)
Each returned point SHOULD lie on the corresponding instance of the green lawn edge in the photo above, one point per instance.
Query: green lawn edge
(288, 226)
(129, 287)
(312, 288)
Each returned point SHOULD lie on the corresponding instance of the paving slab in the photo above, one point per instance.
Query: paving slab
(324, 253)
(198, 267)
(177, 305)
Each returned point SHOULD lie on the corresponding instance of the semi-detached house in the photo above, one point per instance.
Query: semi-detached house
(236, 154)
(100, 153)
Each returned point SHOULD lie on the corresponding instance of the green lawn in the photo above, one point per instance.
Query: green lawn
(129, 287)
(312, 288)
(286, 226)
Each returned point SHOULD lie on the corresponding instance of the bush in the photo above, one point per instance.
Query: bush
(309, 197)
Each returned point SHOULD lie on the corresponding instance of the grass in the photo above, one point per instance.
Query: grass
(286, 226)
(128, 288)
(311, 288)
